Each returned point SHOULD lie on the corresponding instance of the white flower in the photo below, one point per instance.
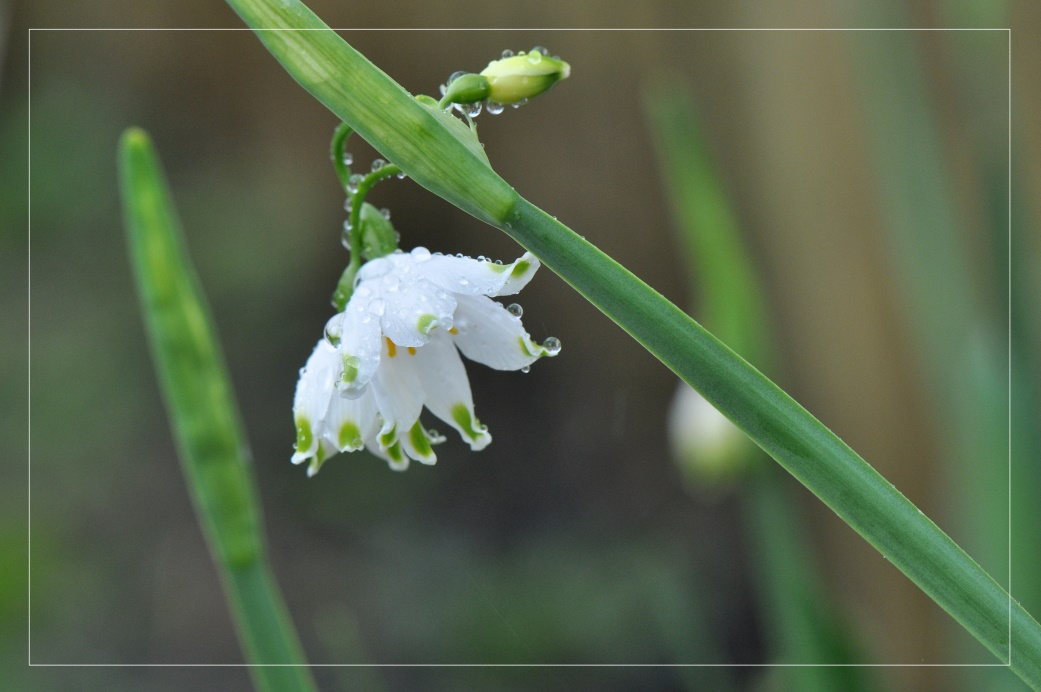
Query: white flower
(393, 350)
(708, 447)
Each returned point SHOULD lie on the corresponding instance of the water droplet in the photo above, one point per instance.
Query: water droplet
(401, 175)
(534, 57)
(455, 75)
(520, 103)
(493, 107)
(540, 50)
(420, 254)
(459, 255)
(353, 183)
(347, 226)
(472, 109)
(377, 307)
(345, 240)
(507, 53)
(347, 204)
(348, 158)
(552, 346)
(498, 261)
(442, 88)
(364, 291)
(515, 309)
(526, 369)
(386, 213)
(378, 164)
(333, 330)
(464, 282)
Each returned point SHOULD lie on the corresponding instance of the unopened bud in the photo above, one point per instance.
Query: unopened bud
(523, 76)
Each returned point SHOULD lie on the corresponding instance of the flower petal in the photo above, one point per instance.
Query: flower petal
(447, 389)
(350, 422)
(359, 334)
(311, 400)
(486, 332)
(393, 455)
(417, 444)
(398, 394)
(414, 310)
(324, 453)
(468, 276)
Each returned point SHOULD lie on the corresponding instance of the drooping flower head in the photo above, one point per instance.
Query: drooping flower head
(395, 349)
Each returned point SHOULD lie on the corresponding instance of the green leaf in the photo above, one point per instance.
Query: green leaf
(213, 450)
(382, 112)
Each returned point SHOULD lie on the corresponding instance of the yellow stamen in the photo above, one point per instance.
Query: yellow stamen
(392, 349)
(411, 351)
(453, 330)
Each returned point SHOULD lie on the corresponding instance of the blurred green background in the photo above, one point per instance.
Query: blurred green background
(867, 171)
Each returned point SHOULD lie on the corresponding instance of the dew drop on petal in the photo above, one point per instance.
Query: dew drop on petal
(334, 330)
(494, 107)
(455, 75)
(518, 104)
(420, 254)
(540, 50)
(376, 307)
(472, 109)
(401, 175)
(498, 262)
(552, 346)
(526, 369)
(515, 309)
(507, 53)
(534, 57)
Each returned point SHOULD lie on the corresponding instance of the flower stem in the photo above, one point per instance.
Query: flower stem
(338, 150)
(345, 287)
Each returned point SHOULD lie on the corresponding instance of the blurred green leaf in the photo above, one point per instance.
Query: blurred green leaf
(213, 449)
(799, 624)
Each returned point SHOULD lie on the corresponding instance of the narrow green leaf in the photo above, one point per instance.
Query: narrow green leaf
(434, 148)
(213, 449)
(789, 433)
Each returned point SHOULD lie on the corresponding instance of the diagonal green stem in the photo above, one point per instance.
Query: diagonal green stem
(426, 148)
(212, 445)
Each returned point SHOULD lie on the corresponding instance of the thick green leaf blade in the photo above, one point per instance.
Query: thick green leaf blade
(777, 423)
(199, 399)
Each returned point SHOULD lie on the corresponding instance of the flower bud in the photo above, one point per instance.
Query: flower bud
(524, 76)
